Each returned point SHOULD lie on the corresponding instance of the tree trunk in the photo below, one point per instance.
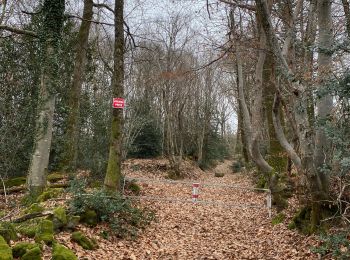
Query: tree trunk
(72, 134)
(113, 175)
(53, 12)
(347, 15)
(324, 108)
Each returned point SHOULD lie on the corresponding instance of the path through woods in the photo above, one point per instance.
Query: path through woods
(188, 231)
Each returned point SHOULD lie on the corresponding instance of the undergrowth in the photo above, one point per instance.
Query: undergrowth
(336, 246)
(124, 218)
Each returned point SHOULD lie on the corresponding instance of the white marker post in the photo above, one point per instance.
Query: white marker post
(269, 202)
(195, 191)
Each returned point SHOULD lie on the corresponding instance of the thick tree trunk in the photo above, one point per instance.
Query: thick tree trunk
(72, 132)
(113, 175)
(50, 34)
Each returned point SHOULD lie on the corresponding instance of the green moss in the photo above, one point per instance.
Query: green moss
(49, 194)
(5, 250)
(262, 183)
(28, 228)
(60, 252)
(83, 241)
(96, 184)
(44, 232)
(34, 208)
(14, 182)
(301, 221)
(72, 222)
(32, 254)
(59, 218)
(279, 218)
(8, 231)
(21, 248)
(219, 174)
(89, 217)
(56, 176)
(133, 187)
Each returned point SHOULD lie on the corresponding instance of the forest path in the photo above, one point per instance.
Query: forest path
(201, 231)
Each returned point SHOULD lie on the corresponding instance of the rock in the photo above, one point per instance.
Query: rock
(59, 218)
(44, 232)
(5, 250)
(21, 248)
(49, 194)
(219, 174)
(14, 182)
(89, 217)
(8, 232)
(32, 254)
(83, 241)
(60, 252)
(72, 222)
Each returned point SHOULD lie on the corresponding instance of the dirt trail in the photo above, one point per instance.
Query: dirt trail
(200, 231)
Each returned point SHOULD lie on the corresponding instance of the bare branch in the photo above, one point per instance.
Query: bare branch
(18, 31)
(235, 4)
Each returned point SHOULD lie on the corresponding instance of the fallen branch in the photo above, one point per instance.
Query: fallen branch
(33, 215)
(23, 188)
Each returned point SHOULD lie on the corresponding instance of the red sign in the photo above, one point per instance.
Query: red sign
(118, 103)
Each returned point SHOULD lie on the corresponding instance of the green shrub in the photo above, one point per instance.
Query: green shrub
(337, 245)
(124, 219)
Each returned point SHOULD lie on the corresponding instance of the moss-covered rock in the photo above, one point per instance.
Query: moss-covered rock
(279, 218)
(49, 194)
(83, 241)
(60, 252)
(89, 217)
(59, 218)
(219, 174)
(5, 250)
(56, 176)
(34, 208)
(72, 222)
(44, 232)
(27, 228)
(32, 254)
(14, 182)
(21, 248)
(8, 232)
